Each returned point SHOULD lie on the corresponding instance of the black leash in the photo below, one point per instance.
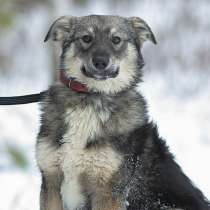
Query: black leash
(25, 99)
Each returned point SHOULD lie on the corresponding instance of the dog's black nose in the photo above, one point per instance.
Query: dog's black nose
(100, 62)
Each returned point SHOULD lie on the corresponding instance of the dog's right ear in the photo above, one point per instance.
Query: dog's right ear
(60, 29)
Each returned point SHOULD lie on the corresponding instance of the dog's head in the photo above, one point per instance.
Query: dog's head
(103, 52)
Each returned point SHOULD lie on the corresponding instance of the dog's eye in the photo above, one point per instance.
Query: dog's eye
(116, 39)
(87, 39)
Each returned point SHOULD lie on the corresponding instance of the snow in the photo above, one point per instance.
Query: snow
(19, 191)
(178, 99)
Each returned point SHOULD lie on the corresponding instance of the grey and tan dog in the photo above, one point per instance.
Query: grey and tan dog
(96, 148)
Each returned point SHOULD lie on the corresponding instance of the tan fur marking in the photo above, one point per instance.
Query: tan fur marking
(51, 201)
(107, 203)
(50, 198)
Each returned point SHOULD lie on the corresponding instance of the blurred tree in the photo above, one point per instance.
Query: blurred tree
(6, 16)
(80, 2)
(10, 8)
(17, 156)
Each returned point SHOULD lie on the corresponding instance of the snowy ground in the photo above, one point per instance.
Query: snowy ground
(178, 101)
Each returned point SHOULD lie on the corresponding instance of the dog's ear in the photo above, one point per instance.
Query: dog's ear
(142, 29)
(60, 29)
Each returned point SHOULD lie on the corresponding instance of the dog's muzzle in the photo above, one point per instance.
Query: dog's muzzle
(112, 72)
(100, 68)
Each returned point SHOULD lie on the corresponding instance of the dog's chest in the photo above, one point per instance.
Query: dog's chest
(84, 125)
(98, 164)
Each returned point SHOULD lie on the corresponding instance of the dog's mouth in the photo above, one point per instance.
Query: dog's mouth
(112, 72)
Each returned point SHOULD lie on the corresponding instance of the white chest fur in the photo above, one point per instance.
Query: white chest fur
(99, 164)
(82, 124)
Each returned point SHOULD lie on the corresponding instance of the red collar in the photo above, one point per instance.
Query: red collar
(73, 84)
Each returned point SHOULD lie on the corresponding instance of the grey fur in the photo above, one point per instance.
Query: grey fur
(97, 150)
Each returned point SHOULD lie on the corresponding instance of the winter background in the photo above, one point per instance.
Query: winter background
(176, 83)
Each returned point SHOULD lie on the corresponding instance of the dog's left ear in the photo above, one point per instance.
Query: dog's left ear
(142, 29)
(60, 29)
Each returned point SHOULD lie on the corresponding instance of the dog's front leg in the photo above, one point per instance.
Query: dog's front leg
(107, 202)
(50, 198)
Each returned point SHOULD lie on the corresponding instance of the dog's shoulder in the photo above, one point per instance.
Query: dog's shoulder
(52, 109)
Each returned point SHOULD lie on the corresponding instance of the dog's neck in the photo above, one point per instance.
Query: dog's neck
(73, 84)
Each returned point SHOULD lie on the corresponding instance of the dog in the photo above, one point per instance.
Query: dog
(96, 148)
